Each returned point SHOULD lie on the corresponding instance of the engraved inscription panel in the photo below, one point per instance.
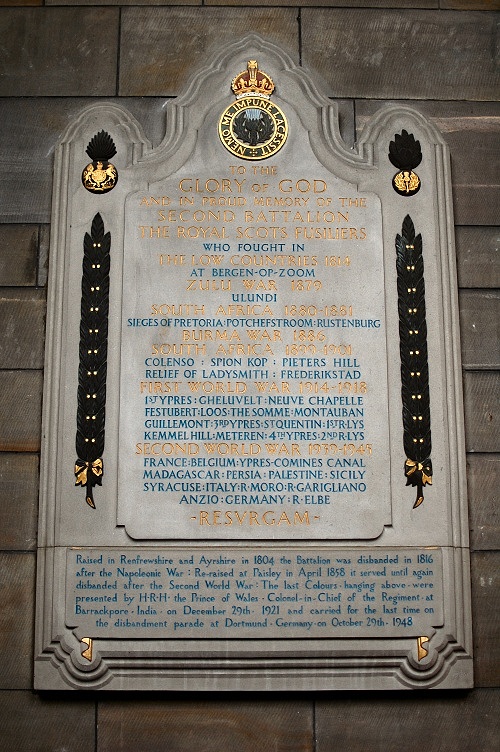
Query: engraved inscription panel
(254, 369)
(247, 593)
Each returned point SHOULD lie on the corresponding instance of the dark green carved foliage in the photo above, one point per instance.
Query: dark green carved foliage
(93, 358)
(414, 360)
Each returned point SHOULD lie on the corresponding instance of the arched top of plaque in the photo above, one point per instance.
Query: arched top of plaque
(210, 91)
(209, 94)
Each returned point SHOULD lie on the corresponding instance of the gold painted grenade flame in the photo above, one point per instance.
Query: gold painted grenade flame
(100, 176)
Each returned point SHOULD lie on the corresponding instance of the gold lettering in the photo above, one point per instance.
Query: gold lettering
(148, 231)
(302, 186)
(292, 449)
(212, 185)
(208, 284)
(179, 309)
(159, 387)
(224, 448)
(260, 334)
(211, 335)
(268, 284)
(243, 310)
(218, 387)
(345, 201)
(176, 260)
(153, 201)
(252, 349)
(298, 520)
(251, 517)
(273, 387)
(176, 349)
(167, 448)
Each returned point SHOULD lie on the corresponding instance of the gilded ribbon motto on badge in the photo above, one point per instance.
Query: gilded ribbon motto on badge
(253, 127)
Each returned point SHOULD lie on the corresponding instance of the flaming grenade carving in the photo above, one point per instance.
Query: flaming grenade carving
(405, 154)
(100, 176)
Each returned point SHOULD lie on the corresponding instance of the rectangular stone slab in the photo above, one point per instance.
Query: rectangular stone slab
(268, 367)
(253, 468)
(334, 592)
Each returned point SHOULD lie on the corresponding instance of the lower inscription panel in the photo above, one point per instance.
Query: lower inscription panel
(245, 592)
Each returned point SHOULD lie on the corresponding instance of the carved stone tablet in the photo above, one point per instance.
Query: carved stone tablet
(253, 471)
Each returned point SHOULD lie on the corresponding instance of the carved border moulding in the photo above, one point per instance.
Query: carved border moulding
(88, 663)
(252, 529)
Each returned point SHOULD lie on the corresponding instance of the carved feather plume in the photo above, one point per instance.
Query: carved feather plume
(101, 147)
(405, 152)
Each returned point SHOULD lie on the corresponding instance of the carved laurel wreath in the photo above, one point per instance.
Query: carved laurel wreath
(93, 359)
(414, 363)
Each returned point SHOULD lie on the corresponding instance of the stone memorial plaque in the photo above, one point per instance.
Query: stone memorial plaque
(253, 471)
(253, 401)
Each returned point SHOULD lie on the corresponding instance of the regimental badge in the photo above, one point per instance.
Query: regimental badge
(405, 154)
(253, 127)
(100, 176)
